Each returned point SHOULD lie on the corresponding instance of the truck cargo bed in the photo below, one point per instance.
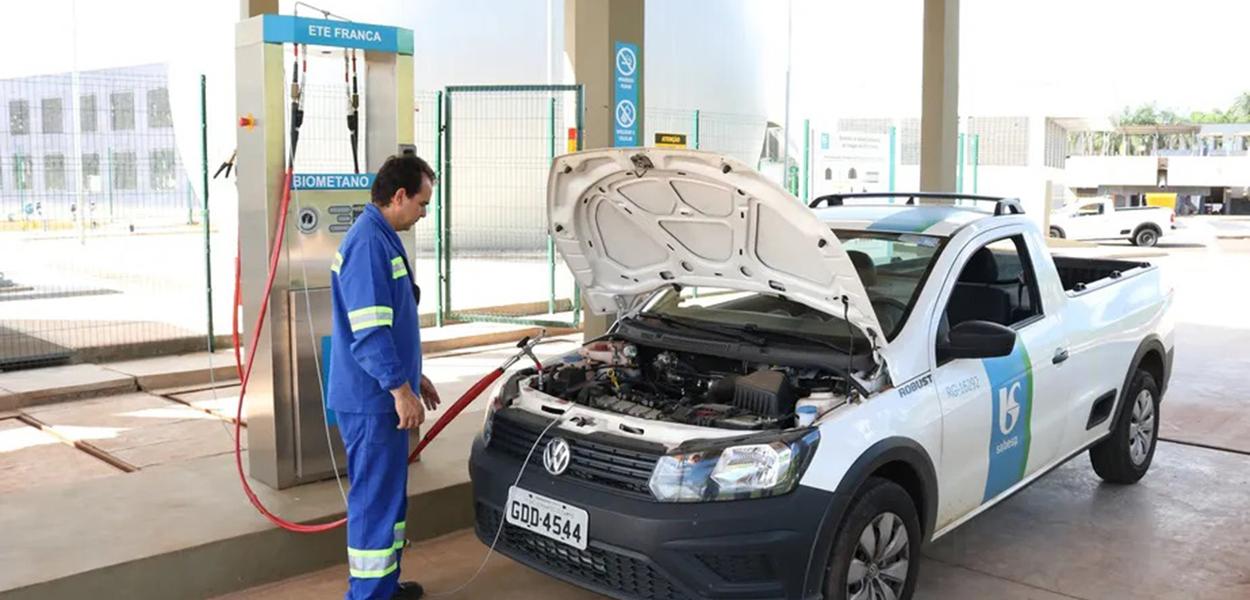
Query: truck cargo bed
(1079, 274)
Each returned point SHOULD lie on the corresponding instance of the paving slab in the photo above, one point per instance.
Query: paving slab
(189, 423)
(138, 428)
(199, 387)
(222, 401)
(113, 415)
(177, 370)
(57, 384)
(179, 442)
(30, 459)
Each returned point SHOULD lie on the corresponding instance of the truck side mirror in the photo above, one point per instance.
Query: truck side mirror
(977, 339)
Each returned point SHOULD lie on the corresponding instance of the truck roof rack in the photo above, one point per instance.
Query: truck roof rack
(1002, 206)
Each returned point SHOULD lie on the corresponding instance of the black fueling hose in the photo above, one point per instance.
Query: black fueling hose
(353, 109)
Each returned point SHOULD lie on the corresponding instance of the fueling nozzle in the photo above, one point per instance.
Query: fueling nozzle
(526, 346)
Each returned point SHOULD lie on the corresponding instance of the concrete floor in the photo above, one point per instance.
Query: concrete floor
(1180, 533)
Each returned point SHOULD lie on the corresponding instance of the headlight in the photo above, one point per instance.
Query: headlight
(768, 467)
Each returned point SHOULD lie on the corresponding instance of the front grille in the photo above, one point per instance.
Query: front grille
(601, 459)
(631, 577)
(739, 568)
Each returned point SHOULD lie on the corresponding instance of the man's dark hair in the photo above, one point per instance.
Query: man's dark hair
(399, 172)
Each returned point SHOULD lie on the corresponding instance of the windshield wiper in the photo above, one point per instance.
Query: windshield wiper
(727, 332)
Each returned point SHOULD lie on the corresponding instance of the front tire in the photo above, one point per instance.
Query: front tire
(1145, 237)
(876, 553)
(1056, 232)
(1125, 455)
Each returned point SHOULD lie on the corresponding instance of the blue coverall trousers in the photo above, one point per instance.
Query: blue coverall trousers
(377, 467)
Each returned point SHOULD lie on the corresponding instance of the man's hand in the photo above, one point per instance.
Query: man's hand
(429, 395)
(408, 407)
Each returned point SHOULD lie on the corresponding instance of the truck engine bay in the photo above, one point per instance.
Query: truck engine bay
(694, 389)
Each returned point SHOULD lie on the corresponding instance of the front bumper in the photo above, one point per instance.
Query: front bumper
(640, 549)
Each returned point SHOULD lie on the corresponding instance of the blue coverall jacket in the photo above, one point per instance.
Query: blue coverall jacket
(375, 346)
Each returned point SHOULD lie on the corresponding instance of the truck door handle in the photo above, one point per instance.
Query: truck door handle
(1060, 355)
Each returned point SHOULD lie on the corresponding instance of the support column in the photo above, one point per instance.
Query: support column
(253, 8)
(592, 31)
(939, 96)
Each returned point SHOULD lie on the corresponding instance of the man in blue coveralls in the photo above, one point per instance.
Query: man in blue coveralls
(375, 360)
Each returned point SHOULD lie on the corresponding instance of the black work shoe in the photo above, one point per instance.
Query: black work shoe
(409, 590)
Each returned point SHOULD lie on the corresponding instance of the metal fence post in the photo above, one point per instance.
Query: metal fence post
(893, 138)
(696, 129)
(551, 241)
(959, 157)
(976, 160)
(580, 117)
(446, 206)
(807, 157)
(208, 249)
(439, 308)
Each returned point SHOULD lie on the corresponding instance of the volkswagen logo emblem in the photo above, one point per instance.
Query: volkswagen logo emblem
(556, 456)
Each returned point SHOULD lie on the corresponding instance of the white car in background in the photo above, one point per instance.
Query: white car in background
(793, 401)
(1100, 219)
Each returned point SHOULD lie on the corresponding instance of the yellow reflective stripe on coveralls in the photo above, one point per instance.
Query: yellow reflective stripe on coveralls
(371, 564)
(338, 262)
(370, 316)
(397, 268)
(400, 540)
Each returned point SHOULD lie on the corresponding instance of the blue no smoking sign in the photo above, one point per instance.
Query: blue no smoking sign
(625, 103)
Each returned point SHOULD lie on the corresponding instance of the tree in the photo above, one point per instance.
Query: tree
(1147, 114)
(1239, 112)
(1241, 108)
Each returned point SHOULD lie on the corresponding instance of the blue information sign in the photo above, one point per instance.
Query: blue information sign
(285, 29)
(625, 99)
(332, 181)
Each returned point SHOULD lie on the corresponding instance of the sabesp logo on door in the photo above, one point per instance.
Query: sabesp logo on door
(1011, 382)
(1008, 416)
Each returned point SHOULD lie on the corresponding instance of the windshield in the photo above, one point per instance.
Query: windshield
(892, 266)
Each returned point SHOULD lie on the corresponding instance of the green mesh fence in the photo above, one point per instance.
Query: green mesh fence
(738, 135)
(499, 264)
(427, 136)
(670, 120)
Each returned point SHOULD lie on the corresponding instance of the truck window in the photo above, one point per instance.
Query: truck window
(1089, 210)
(997, 284)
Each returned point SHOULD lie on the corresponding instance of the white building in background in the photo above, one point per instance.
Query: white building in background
(1020, 156)
(1190, 167)
(121, 144)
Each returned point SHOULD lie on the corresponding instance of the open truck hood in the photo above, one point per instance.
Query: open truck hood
(629, 221)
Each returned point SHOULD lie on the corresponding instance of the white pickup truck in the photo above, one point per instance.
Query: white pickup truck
(1099, 219)
(793, 401)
